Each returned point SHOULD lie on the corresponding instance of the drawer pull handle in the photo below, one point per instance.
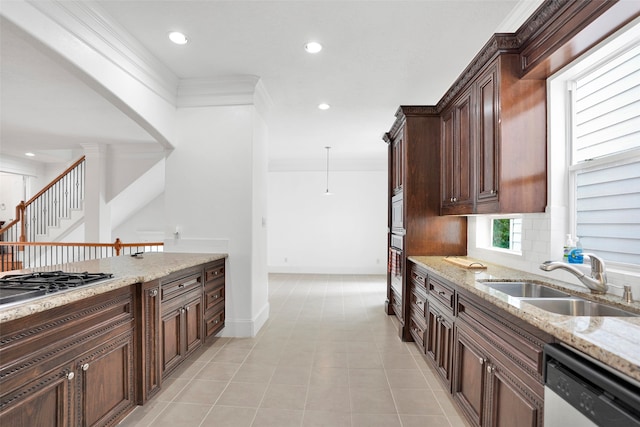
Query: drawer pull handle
(216, 296)
(443, 293)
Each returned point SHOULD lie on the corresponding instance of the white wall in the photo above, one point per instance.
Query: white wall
(313, 233)
(210, 199)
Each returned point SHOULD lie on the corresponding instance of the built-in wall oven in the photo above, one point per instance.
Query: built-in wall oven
(581, 391)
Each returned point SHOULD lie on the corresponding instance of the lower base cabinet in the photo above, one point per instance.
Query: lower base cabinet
(439, 341)
(72, 365)
(488, 391)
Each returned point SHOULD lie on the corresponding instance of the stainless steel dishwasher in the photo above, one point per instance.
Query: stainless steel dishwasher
(581, 391)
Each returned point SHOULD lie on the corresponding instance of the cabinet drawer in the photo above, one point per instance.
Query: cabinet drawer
(418, 304)
(214, 323)
(214, 273)
(417, 330)
(180, 286)
(419, 278)
(213, 295)
(441, 292)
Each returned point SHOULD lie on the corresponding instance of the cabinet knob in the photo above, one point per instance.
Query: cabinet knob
(187, 308)
(491, 368)
(493, 192)
(455, 199)
(216, 296)
(70, 375)
(153, 293)
(451, 199)
(181, 310)
(85, 367)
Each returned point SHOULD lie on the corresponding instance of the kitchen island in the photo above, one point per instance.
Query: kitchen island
(88, 356)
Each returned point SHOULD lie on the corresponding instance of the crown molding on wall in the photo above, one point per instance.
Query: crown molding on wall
(220, 91)
(93, 26)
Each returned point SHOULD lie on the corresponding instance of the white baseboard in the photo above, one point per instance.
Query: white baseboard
(243, 328)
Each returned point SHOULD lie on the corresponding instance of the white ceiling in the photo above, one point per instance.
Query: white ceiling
(377, 55)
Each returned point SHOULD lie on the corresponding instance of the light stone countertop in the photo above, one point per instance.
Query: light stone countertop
(126, 270)
(615, 341)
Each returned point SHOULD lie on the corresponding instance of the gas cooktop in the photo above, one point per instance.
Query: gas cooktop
(21, 287)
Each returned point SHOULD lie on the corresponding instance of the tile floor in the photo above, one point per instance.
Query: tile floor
(328, 356)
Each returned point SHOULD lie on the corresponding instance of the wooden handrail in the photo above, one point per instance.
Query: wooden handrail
(55, 181)
(19, 210)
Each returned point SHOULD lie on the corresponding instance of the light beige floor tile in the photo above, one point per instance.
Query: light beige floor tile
(375, 420)
(328, 398)
(187, 370)
(362, 347)
(368, 378)
(285, 396)
(406, 378)
(201, 392)
(424, 421)
(460, 421)
(181, 415)
(372, 401)
(269, 417)
(171, 388)
(218, 371)
(326, 419)
(412, 401)
(254, 373)
(398, 361)
(446, 402)
(327, 376)
(242, 394)
(231, 355)
(364, 361)
(296, 359)
(291, 375)
(230, 416)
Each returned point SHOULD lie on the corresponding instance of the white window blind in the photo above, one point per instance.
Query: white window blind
(606, 158)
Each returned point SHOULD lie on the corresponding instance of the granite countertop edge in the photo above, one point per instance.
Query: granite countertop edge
(609, 340)
(126, 270)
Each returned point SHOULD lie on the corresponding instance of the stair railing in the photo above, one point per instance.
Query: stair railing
(43, 254)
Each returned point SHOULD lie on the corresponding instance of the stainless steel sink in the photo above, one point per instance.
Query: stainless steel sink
(577, 307)
(526, 289)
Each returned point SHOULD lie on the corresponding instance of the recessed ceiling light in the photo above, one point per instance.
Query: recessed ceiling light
(178, 37)
(313, 47)
(324, 106)
(29, 154)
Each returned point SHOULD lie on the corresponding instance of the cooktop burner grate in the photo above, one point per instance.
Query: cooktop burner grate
(18, 287)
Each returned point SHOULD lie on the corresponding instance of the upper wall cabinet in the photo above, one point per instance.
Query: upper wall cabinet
(494, 143)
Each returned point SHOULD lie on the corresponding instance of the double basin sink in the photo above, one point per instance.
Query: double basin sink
(554, 300)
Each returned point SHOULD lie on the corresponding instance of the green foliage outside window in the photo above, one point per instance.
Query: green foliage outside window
(501, 233)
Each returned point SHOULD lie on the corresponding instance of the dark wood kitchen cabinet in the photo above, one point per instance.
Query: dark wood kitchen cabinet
(414, 221)
(181, 317)
(457, 156)
(494, 142)
(497, 366)
(214, 298)
(71, 365)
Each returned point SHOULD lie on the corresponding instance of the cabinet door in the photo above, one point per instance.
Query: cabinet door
(171, 335)
(193, 324)
(510, 402)
(444, 355)
(457, 156)
(468, 375)
(487, 160)
(106, 386)
(46, 401)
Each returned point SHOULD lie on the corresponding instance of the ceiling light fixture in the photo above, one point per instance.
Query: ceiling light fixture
(178, 37)
(324, 106)
(29, 154)
(313, 47)
(327, 192)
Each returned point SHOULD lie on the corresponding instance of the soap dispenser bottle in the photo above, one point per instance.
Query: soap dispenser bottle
(568, 246)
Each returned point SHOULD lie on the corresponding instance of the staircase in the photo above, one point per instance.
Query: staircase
(46, 216)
